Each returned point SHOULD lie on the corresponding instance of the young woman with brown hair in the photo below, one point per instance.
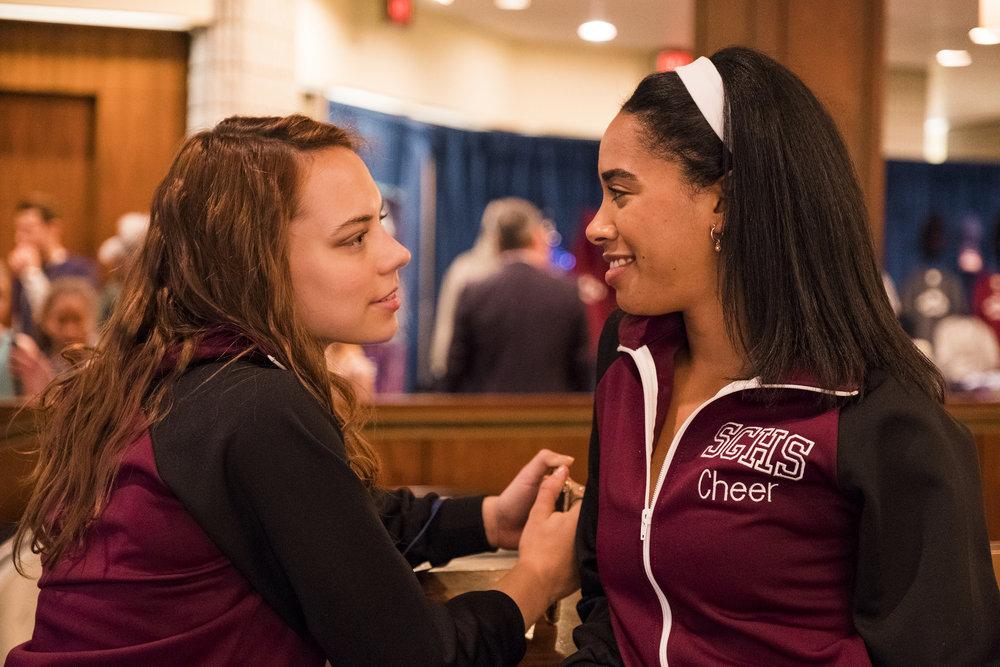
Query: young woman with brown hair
(204, 494)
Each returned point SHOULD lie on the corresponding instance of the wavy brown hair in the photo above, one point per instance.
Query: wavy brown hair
(215, 256)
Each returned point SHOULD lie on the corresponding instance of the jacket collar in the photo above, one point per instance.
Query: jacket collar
(215, 344)
(634, 331)
(667, 331)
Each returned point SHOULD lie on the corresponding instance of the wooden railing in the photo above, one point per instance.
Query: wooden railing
(470, 444)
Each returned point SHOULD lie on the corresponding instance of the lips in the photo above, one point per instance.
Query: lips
(390, 300)
(618, 265)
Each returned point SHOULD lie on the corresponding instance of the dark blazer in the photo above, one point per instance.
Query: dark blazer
(522, 329)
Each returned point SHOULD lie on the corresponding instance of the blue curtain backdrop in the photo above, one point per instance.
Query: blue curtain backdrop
(472, 168)
(962, 194)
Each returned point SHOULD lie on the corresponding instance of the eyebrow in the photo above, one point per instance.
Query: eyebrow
(361, 219)
(357, 220)
(617, 173)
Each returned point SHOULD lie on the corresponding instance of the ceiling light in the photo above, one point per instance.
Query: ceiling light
(444, 2)
(953, 58)
(984, 36)
(114, 18)
(513, 5)
(597, 31)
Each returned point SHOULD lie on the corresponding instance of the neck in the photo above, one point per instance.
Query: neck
(710, 351)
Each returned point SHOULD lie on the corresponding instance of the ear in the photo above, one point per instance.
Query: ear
(717, 192)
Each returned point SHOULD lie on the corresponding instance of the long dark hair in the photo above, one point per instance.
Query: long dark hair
(799, 283)
(215, 256)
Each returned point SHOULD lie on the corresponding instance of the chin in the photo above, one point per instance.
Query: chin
(381, 334)
(642, 307)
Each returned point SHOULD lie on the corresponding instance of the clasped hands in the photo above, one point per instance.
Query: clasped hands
(504, 515)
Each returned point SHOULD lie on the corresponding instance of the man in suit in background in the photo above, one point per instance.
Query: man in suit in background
(524, 328)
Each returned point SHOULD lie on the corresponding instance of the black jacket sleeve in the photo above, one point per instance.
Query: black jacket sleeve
(925, 592)
(594, 637)
(431, 528)
(262, 467)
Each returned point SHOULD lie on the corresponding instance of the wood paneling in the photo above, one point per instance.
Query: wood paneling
(138, 81)
(983, 419)
(836, 48)
(17, 438)
(47, 144)
(476, 444)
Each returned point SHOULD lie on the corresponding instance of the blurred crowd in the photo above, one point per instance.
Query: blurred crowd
(509, 318)
(52, 300)
(950, 306)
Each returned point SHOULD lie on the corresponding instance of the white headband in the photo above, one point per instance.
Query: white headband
(704, 84)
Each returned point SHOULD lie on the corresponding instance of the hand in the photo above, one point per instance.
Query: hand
(24, 256)
(30, 365)
(546, 569)
(504, 515)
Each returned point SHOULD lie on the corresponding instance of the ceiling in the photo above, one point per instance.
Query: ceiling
(918, 29)
(915, 31)
(646, 25)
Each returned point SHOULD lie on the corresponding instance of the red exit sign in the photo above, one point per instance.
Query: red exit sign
(399, 11)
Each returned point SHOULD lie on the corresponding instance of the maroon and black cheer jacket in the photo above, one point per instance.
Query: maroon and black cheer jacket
(237, 534)
(790, 524)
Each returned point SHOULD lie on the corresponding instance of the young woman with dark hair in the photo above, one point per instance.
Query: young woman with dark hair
(773, 478)
(204, 494)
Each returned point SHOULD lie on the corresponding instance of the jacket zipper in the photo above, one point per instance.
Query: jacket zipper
(650, 388)
(644, 362)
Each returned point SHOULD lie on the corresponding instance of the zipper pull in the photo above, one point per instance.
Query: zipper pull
(647, 518)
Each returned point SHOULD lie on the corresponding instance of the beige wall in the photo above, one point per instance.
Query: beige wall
(446, 71)
(905, 108)
(979, 142)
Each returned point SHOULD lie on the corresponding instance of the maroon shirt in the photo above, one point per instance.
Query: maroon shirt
(150, 588)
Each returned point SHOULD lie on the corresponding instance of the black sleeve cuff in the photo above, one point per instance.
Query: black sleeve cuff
(458, 530)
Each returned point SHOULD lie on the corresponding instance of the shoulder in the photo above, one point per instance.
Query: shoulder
(887, 402)
(240, 385)
(240, 400)
(894, 428)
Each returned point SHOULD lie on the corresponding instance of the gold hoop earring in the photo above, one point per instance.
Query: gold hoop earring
(716, 240)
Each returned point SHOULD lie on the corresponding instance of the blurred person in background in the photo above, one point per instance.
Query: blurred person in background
(67, 317)
(8, 385)
(349, 361)
(115, 252)
(523, 328)
(472, 265)
(39, 257)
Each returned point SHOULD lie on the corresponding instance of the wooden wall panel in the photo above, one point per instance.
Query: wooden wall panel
(837, 49)
(138, 80)
(47, 143)
(983, 419)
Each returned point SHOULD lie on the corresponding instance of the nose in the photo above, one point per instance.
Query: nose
(601, 229)
(397, 256)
